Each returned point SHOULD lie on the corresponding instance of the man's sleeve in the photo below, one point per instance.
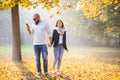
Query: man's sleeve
(48, 30)
(32, 29)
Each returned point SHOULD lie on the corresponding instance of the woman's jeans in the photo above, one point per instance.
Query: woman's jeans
(37, 50)
(58, 53)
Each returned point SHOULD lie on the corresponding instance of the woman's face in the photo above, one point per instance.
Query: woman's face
(59, 24)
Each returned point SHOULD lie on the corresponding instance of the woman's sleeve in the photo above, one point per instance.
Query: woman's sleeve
(65, 42)
(53, 36)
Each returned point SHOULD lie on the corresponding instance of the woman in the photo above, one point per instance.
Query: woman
(59, 44)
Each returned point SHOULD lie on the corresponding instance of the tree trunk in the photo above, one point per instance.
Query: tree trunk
(116, 42)
(119, 40)
(16, 47)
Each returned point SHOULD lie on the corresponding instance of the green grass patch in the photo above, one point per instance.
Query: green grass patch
(6, 50)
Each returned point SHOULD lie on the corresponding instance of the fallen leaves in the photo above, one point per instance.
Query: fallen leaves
(73, 67)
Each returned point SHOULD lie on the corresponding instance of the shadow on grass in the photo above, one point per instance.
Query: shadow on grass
(27, 74)
(108, 57)
(62, 76)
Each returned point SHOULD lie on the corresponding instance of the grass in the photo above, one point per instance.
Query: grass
(80, 63)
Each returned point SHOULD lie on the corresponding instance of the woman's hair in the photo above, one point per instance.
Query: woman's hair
(61, 22)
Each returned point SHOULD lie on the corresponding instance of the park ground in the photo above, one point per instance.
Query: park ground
(80, 63)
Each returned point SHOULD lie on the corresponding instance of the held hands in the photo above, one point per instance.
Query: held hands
(49, 45)
(67, 50)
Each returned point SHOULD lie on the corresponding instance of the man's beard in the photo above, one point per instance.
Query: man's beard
(36, 22)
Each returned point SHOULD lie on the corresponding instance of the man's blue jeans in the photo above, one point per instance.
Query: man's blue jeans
(37, 50)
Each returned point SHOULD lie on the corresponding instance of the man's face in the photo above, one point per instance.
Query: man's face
(36, 19)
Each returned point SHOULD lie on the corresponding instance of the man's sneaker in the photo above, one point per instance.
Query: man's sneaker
(39, 73)
(47, 74)
(58, 73)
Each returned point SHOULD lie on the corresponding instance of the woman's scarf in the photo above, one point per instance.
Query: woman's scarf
(60, 30)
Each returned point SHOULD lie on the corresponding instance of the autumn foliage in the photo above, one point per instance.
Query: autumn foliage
(97, 8)
(98, 65)
(48, 4)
